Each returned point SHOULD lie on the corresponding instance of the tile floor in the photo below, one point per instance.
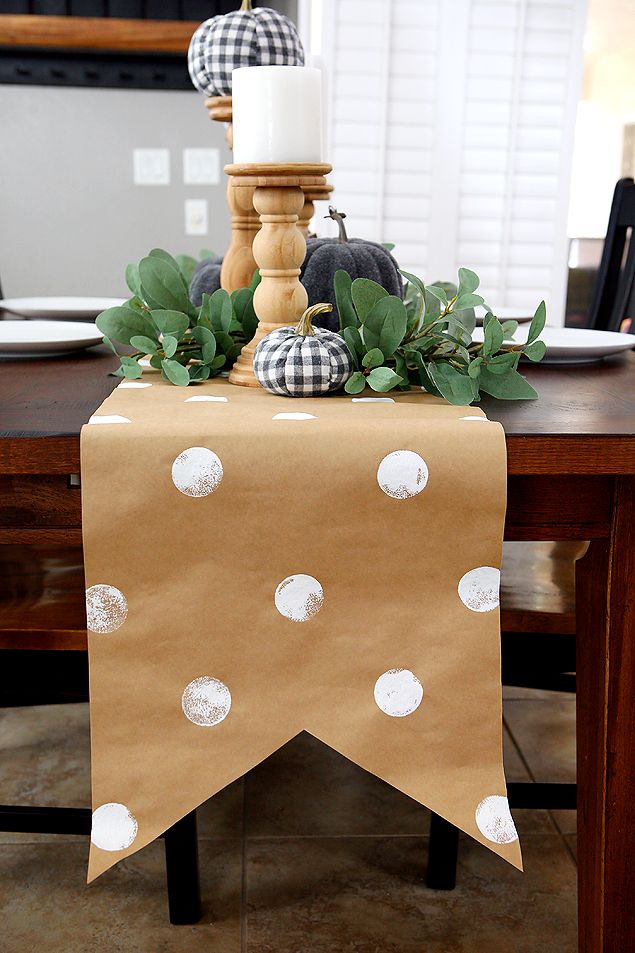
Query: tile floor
(307, 854)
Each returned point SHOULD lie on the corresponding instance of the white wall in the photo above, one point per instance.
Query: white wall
(70, 214)
(450, 129)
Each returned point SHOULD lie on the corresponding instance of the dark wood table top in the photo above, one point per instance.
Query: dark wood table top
(582, 422)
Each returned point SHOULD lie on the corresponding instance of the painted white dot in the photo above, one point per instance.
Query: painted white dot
(372, 400)
(299, 597)
(205, 399)
(108, 419)
(206, 701)
(106, 609)
(297, 415)
(494, 820)
(145, 362)
(398, 692)
(478, 588)
(402, 474)
(114, 827)
(133, 385)
(474, 417)
(224, 374)
(197, 471)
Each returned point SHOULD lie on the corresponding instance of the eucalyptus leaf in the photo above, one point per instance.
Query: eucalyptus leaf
(170, 345)
(143, 343)
(242, 301)
(170, 322)
(374, 358)
(502, 362)
(457, 388)
(538, 322)
(355, 384)
(465, 301)
(198, 372)
(187, 266)
(121, 324)
(509, 386)
(155, 362)
(162, 284)
(468, 281)
(385, 324)
(366, 294)
(222, 310)
(492, 338)
(388, 245)
(474, 367)
(401, 368)
(344, 300)
(536, 351)
(218, 362)
(255, 280)
(132, 279)
(132, 371)
(175, 373)
(427, 383)
(437, 292)
(110, 345)
(355, 344)
(509, 329)
(382, 379)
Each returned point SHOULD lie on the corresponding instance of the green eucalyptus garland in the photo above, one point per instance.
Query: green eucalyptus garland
(427, 339)
(186, 343)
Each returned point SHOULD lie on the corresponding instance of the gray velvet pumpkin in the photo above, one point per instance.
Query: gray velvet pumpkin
(303, 361)
(360, 258)
(205, 280)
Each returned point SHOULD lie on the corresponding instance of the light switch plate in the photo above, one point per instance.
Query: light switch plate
(196, 216)
(151, 166)
(201, 167)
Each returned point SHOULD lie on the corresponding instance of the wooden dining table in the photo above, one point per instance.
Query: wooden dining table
(571, 476)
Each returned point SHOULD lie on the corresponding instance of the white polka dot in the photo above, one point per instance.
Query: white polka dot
(402, 474)
(398, 692)
(224, 374)
(114, 827)
(108, 419)
(106, 609)
(145, 362)
(372, 400)
(478, 588)
(132, 385)
(294, 416)
(494, 820)
(197, 471)
(299, 597)
(206, 701)
(475, 418)
(205, 399)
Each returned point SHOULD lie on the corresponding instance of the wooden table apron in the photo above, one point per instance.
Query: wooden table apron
(571, 464)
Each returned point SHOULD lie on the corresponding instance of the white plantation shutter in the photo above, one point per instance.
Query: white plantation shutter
(450, 130)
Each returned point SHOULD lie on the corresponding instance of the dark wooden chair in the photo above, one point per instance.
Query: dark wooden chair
(538, 579)
(613, 290)
(43, 632)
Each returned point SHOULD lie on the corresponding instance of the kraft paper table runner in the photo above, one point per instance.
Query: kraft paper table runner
(258, 566)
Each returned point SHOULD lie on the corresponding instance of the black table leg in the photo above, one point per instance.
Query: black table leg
(443, 852)
(181, 862)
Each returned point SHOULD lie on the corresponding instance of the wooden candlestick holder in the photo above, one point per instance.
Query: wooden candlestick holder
(238, 261)
(320, 193)
(279, 247)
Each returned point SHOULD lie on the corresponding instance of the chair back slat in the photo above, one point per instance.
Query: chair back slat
(614, 285)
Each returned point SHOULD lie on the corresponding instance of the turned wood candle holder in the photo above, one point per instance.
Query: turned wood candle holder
(279, 248)
(321, 193)
(238, 261)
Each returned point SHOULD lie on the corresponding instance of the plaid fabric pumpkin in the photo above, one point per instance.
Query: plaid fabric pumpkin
(302, 361)
(260, 37)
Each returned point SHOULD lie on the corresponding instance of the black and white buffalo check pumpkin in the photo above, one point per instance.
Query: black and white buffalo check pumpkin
(298, 365)
(260, 37)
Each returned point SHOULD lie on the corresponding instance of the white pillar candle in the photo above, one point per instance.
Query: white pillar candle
(277, 114)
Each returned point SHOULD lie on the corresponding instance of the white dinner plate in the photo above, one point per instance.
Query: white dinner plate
(29, 338)
(574, 345)
(58, 307)
(505, 314)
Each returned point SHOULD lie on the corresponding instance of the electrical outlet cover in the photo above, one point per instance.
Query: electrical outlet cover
(151, 166)
(201, 166)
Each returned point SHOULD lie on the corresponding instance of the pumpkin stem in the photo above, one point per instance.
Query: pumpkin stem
(245, 5)
(305, 326)
(339, 218)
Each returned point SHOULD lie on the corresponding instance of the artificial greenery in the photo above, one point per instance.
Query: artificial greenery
(427, 339)
(184, 342)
